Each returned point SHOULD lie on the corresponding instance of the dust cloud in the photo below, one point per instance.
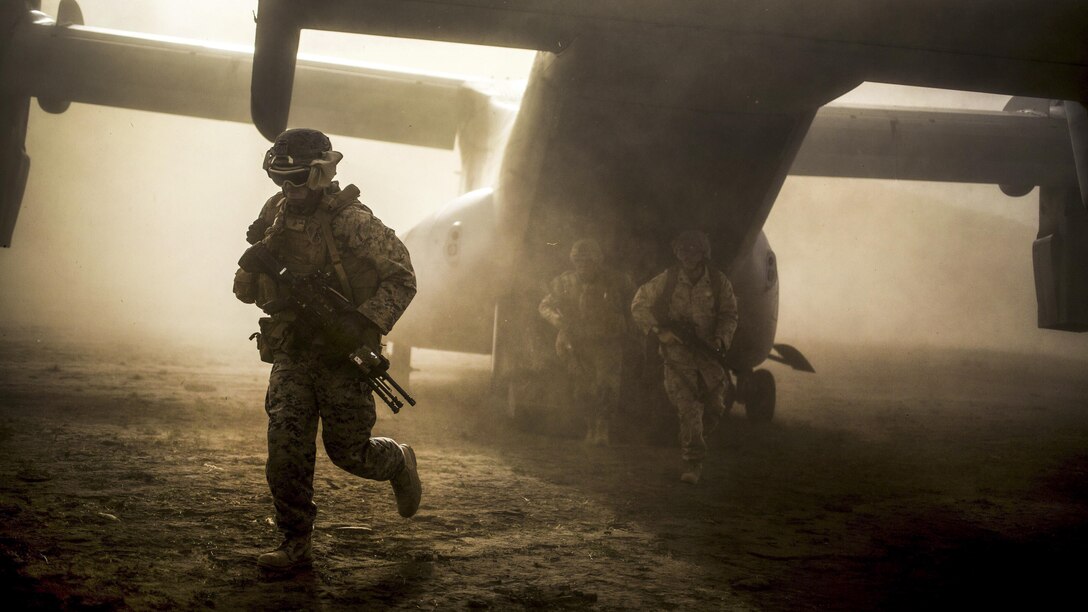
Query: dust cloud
(943, 266)
(132, 221)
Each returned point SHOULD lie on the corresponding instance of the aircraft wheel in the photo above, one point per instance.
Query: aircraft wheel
(759, 396)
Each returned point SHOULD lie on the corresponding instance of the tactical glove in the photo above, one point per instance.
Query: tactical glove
(256, 259)
(256, 231)
(666, 336)
(353, 328)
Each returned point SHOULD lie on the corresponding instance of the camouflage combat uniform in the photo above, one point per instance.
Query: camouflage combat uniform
(694, 382)
(593, 315)
(307, 383)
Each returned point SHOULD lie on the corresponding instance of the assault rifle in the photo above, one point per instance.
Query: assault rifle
(324, 309)
(686, 333)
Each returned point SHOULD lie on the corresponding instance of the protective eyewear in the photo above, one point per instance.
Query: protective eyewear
(295, 177)
(285, 169)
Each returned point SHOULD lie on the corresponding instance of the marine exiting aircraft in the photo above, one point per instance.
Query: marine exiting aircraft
(641, 118)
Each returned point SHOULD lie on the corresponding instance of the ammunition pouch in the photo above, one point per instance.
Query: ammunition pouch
(271, 339)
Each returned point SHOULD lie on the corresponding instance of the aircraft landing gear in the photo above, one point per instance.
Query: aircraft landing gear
(756, 390)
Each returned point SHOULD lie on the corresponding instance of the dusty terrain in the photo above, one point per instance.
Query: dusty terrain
(133, 478)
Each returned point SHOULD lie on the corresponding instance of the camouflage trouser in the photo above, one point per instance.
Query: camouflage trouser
(697, 396)
(300, 391)
(596, 367)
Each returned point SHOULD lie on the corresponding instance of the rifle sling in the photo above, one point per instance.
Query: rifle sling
(334, 255)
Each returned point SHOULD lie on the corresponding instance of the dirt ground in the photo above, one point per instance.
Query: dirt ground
(133, 478)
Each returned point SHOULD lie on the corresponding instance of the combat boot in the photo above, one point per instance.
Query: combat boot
(693, 470)
(296, 552)
(406, 485)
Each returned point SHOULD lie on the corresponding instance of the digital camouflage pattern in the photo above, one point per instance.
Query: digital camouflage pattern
(694, 382)
(592, 317)
(302, 390)
(699, 407)
(690, 303)
(368, 239)
(377, 262)
(306, 385)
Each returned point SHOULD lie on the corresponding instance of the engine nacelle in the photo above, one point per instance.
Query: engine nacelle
(755, 283)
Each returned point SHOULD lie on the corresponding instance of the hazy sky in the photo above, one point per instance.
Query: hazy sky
(132, 221)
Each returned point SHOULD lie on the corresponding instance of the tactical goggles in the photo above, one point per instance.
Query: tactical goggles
(285, 169)
(295, 177)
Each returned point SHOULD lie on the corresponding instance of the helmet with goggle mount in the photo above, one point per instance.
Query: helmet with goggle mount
(301, 156)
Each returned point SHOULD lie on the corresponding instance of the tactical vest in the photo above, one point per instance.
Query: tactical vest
(306, 244)
(597, 307)
(672, 276)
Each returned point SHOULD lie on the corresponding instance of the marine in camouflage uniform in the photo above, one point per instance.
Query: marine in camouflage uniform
(314, 226)
(702, 299)
(588, 305)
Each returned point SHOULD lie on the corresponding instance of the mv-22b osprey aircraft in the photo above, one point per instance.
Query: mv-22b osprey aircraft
(641, 118)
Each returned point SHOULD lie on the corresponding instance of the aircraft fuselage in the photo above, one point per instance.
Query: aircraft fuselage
(629, 170)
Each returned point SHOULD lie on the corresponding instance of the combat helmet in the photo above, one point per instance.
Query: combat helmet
(586, 249)
(694, 240)
(302, 156)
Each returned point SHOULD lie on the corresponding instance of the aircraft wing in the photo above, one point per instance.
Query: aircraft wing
(1005, 148)
(1012, 40)
(1009, 46)
(62, 64)
(185, 77)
